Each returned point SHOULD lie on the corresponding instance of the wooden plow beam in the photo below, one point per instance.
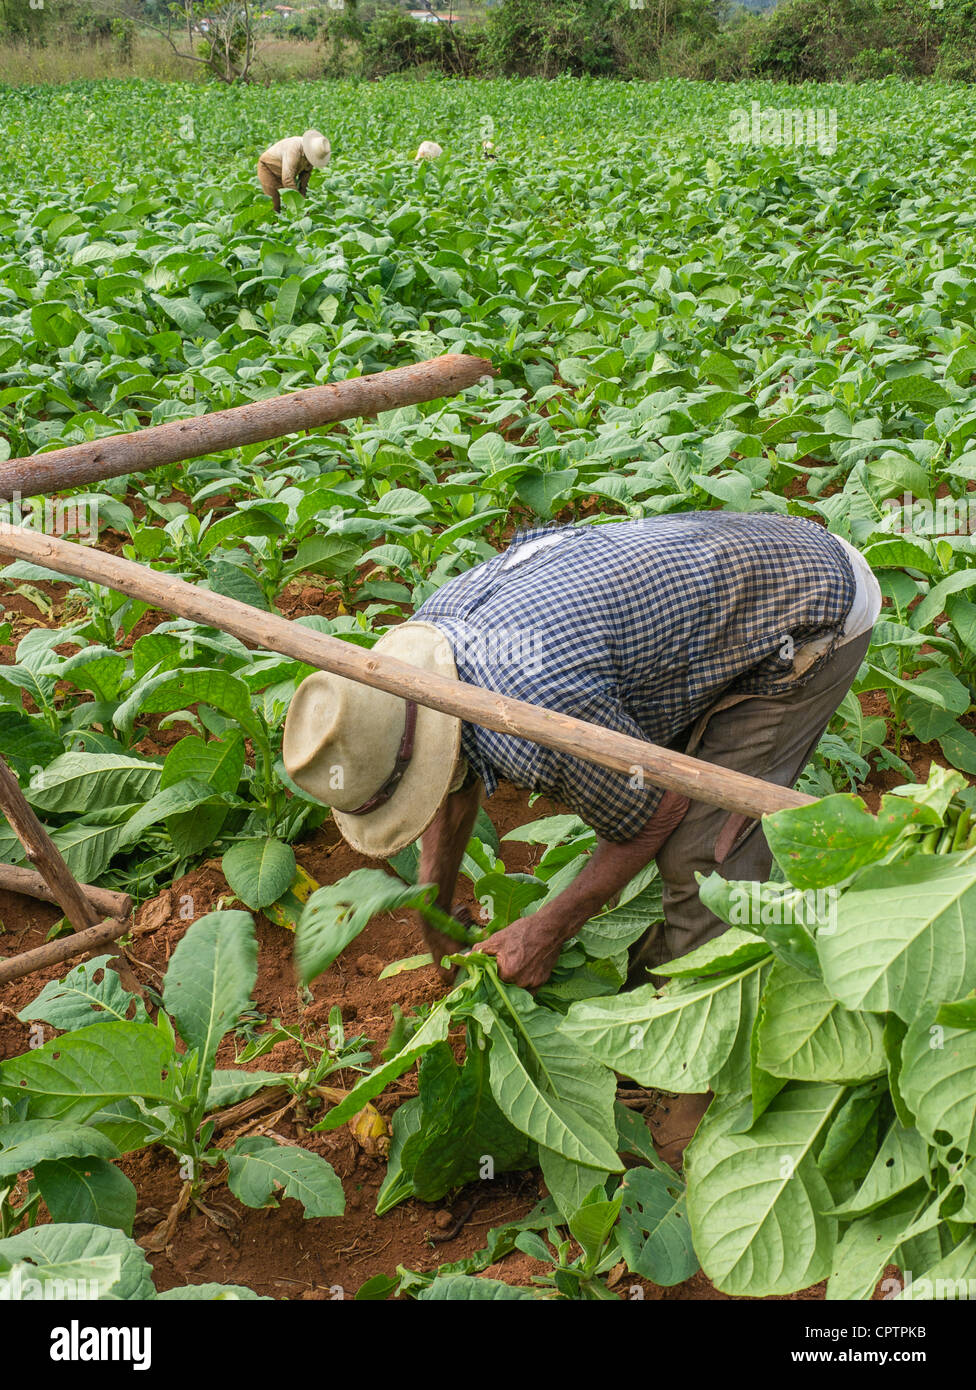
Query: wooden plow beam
(701, 781)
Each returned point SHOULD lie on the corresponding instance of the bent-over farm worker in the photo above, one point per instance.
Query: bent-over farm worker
(289, 164)
(729, 637)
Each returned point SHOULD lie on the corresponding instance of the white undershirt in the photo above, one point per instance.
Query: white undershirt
(867, 595)
(518, 553)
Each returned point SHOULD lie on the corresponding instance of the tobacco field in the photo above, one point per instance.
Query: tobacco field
(269, 1093)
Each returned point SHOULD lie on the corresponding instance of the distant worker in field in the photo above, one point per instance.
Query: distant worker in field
(289, 164)
(729, 637)
(428, 149)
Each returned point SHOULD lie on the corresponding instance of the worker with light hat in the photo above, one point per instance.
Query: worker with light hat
(730, 637)
(289, 164)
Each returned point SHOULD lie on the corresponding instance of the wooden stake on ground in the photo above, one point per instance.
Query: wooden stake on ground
(355, 398)
(42, 851)
(65, 948)
(14, 879)
(701, 781)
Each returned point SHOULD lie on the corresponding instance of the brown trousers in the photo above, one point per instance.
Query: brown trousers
(771, 737)
(271, 184)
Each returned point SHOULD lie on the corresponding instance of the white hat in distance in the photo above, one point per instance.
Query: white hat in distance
(429, 149)
(316, 148)
(384, 764)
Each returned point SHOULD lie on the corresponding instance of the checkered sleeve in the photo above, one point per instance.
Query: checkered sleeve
(637, 627)
(617, 805)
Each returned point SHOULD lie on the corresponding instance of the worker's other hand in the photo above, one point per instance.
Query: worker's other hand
(526, 951)
(439, 945)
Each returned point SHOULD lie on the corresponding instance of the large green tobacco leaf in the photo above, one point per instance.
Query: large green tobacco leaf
(174, 690)
(87, 1189)
(177, 800)
(209, 981)
(90, 993)
(219, 763)
(230, 1085)
(805, 1035)
(125, 1123)
(505, 897)
(397, 1185)
(901, 941)
(27, 1143)
(569, 1183)
(826, 842)
(75, 1075)
(87, 849)
(97, 1275)
(654, 1231)
(93, 782)
(259, 871)
(574, 979)
(620, 927)
(723, 954)
(756, 1201)
(901, 1161)
(461, 1125)
(950, 1277)
(550, 1089)
(871, 1242)
(258, 1166)
(783, 916)
(678, 1040)
(852, 1136)
(934, 601)
(46, 1247)
(938, 1081)
(26, 742)
(97, 669)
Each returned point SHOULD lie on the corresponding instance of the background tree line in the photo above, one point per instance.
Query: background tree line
(795, 40)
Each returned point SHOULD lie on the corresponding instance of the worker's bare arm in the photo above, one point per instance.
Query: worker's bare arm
(528, 950)
(442, 848)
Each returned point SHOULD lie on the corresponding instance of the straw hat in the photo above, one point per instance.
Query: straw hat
(384, 764)
(429, 149)
(316, 148)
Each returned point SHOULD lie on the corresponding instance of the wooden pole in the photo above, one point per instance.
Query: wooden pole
(42, 851)
(355, 398)
(14, 879)
(54, 952)
(717, 786)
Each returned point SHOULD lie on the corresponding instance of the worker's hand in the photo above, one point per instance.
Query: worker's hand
(527, 950)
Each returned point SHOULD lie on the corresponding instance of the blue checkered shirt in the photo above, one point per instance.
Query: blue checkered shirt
(637, 626)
